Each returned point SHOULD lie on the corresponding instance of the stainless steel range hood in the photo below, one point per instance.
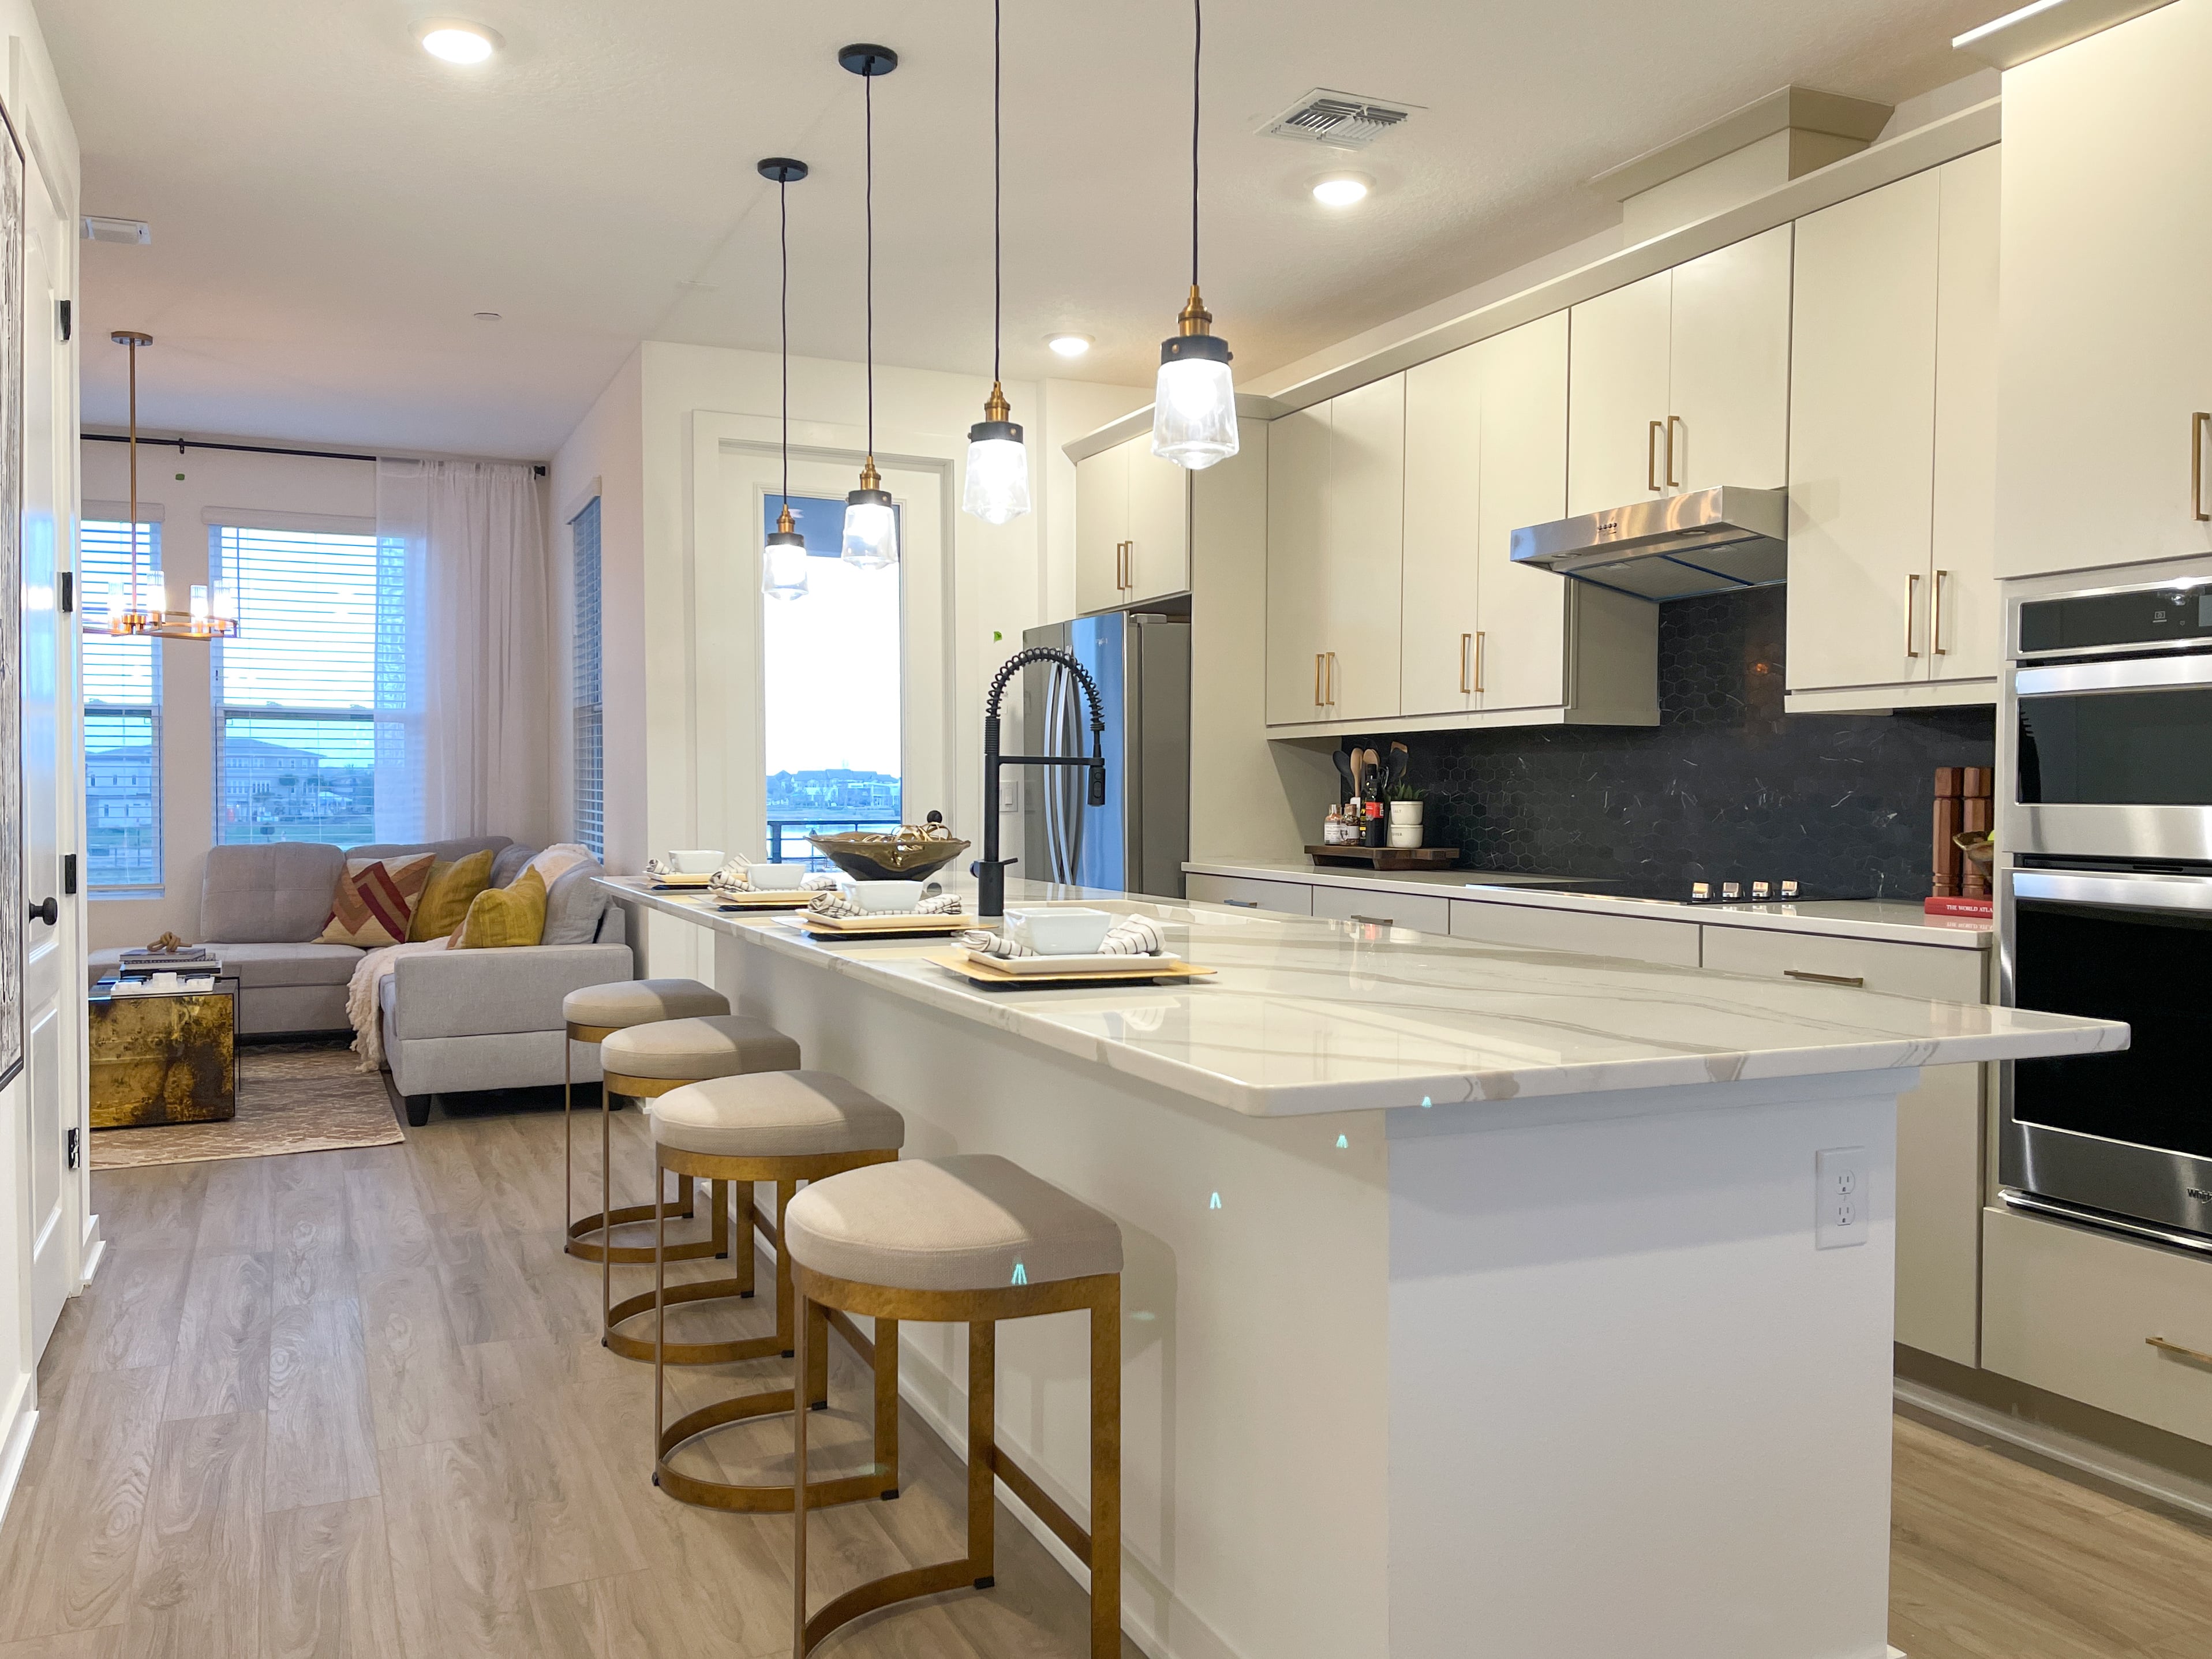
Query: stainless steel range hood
(1674, 547)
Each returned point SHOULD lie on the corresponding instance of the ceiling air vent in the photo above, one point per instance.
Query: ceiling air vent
(1342, 120)
(98, 229)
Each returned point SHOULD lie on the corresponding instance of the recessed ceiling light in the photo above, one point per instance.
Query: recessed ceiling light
(486, 316)
(458, 42)
(1068, 345)
(1341, 189)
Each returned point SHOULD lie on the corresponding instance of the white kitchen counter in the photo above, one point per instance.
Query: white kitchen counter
(1461, 1278)
(1897, 920)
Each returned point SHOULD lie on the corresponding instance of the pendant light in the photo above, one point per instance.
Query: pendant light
(1194, 403)
(871, 522)
(143, 606)
(998, 465)
(784, 573)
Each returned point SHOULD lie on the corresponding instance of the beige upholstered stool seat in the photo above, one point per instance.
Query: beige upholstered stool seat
(776, 1115)
(716, 1045)
(640, 1001)
(972, 1222)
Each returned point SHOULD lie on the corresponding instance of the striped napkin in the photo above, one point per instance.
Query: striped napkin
(1132, 936)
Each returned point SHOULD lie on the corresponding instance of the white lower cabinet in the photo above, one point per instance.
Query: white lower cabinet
(1939, 1124)
(2115, 1324)
(1636, 938)
(1424, 912)
(1292, 898)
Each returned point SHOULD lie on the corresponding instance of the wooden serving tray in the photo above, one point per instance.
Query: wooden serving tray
(1387, 858)
(887, 926)
(1152, 968)
(762, 900)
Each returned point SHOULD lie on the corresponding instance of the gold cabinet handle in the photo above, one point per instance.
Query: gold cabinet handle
(1376, 922)
(1332, 679)
(1854, 981)
(1911, 598)
(1674, 420)
(1243, 904)
(1478, 659)
(1936, 621)
(1652, 458)
(2197, 1355)
(1465, 673)
(2197, 422)
(1318, 657)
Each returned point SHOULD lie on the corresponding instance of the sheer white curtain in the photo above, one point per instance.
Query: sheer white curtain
(465, 713)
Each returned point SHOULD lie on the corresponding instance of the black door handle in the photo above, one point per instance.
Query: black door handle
(50, 912)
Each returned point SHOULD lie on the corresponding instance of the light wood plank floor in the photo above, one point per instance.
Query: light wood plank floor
(353, 1403)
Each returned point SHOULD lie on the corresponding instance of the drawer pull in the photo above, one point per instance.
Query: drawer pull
(1243, 904)
(2196, 1355)
(1852, 979)
(1377, 922)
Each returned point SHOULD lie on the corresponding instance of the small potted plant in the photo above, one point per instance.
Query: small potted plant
(1405, 804)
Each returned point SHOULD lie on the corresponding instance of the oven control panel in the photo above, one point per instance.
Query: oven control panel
(2178, 613)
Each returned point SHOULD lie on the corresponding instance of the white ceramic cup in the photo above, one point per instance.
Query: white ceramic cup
(1069, 931)
(1406, 811)
(696, 862)
(878, 897)
(777, 878)
(1405, 834)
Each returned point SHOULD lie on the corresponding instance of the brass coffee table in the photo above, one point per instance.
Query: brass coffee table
(164, 1056)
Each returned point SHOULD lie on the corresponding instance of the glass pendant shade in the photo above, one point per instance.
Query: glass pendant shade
(1194, 403)
(871, 529)
(786, 574)
(998, 472)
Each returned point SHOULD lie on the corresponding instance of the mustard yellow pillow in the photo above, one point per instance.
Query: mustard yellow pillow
(452, 887)
(502, 916)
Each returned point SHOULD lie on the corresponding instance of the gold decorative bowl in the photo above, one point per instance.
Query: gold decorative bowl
(871, 855)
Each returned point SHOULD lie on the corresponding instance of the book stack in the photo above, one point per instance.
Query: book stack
(184, 959)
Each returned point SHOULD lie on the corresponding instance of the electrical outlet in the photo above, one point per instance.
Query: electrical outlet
(1839, 1215)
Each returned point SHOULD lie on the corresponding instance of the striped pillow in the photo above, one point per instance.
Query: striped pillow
(375, 899)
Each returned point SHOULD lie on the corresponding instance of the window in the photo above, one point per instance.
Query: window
(830, 671)
(295, 733)
(587, 713)
(122, 719)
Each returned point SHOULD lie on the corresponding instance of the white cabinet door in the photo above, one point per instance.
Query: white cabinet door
(1159, 560)
(1729, 374)
(1862, 414)
(1102, 528)
(2105, 358)
(1440, 624)
(1522, 657)
(1963, 593)
(1363, 548)
(1423, 912)
(1298, 601)
(1635, 939)
(1619, 371)
(1243, 893)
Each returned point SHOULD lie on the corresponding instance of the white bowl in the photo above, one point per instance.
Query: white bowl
(1064, 931)
(878, 897)
(777, 878)
(697, 861)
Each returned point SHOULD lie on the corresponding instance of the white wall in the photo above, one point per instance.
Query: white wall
(209, 478)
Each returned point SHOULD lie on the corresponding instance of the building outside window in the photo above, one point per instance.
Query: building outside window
(831, 674)
(122, 719)
(295, 732)
(587, 713)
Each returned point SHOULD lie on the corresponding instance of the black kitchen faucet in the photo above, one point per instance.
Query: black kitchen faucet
(990, 870)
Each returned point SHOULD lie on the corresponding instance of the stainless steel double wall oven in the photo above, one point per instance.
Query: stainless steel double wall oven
(2104, 901)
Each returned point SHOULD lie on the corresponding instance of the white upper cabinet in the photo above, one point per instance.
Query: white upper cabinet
(1297, 598)
(1891, 599)
(1521, 643)
(1681, 381)
(2105, 372)
(1132, 527)
(1363, 548)
(1441, 626)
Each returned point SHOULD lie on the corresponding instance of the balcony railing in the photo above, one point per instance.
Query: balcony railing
(792, 833)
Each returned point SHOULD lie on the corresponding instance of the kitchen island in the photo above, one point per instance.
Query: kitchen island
(1474, 1303)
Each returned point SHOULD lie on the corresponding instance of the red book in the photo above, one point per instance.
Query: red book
(1941, 905)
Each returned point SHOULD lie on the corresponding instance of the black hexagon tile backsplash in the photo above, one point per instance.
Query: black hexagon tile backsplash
(1726, 787)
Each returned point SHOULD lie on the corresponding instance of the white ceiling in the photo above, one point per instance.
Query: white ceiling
(330, 204)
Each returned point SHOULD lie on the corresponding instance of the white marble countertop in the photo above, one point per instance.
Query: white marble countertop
(1897, 920)
(1316, 1016)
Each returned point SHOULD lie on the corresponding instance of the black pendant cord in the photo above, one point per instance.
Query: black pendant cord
(868, 104)
(783, 248)
(1197, 46)
(997, 254)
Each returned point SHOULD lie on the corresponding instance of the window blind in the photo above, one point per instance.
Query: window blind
(122, 719)
(588, 712)
(295, 691)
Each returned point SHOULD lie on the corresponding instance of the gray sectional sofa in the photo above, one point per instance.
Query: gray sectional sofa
(451, 1022)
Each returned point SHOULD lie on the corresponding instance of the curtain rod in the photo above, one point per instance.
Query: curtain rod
(180, 444)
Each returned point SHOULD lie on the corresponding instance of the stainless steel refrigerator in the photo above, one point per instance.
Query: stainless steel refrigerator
(1137, 841)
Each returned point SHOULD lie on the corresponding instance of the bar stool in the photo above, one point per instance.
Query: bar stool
(976, 1239)
(787, 1127)
(646, 1062)
(594, 1013)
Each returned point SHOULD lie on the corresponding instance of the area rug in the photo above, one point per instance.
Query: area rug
(292, 1098)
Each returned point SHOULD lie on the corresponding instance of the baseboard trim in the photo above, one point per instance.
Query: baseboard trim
(14, 1450)
(2115, 1468)
(91, 1253)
